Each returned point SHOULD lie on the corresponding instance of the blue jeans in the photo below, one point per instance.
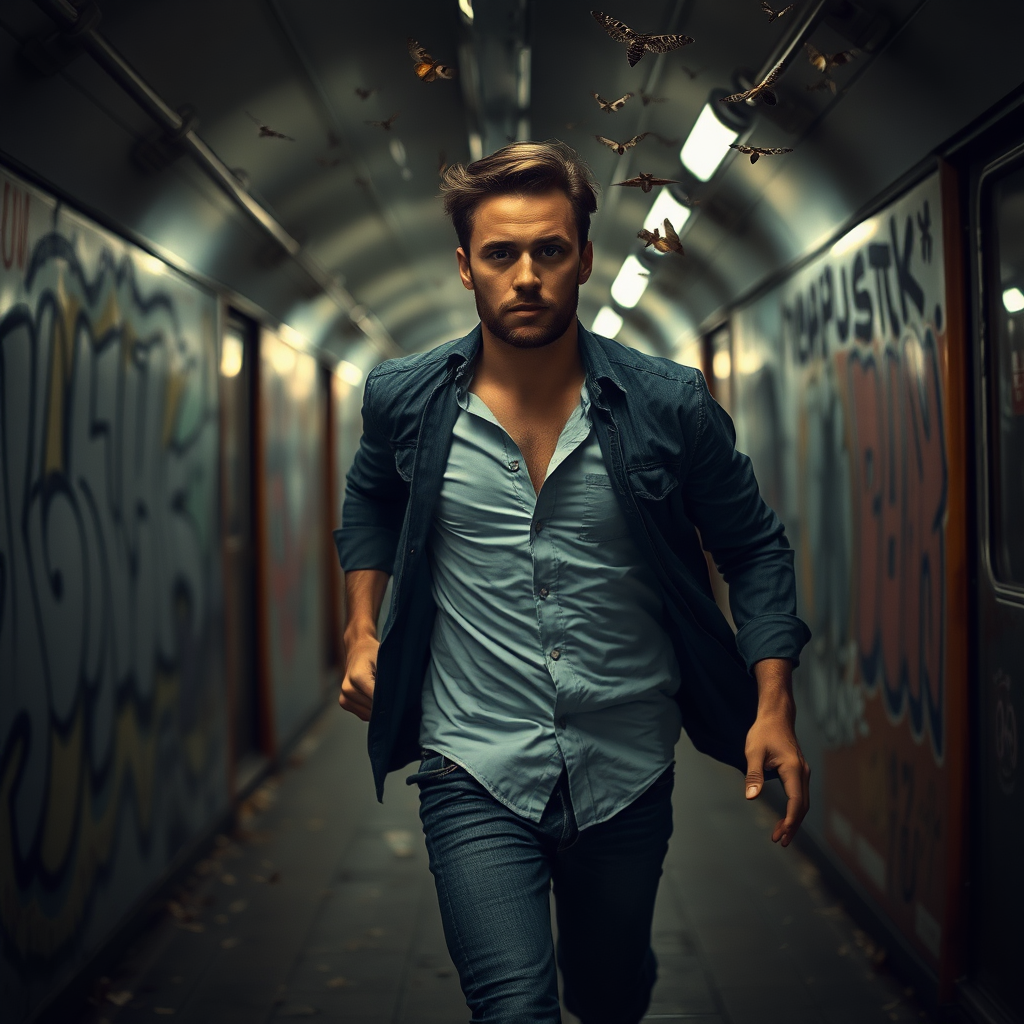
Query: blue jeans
(493, 870)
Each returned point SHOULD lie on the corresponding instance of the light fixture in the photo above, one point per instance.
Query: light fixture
(607, 323)
(466, 6)
(630, 283)
(667, 206)
(231, 356)
(349, 373)
(476, 146)
(1013, 300)
(523, 84)
(855, 237)
(721, 364)
(707, 144)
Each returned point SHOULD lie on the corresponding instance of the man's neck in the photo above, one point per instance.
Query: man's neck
(530, 376)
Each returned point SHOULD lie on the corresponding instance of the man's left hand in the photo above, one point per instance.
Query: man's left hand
(771, 743)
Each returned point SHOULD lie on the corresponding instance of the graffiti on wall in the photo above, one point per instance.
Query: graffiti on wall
(292, 414)
(111, 727)
(854, 348)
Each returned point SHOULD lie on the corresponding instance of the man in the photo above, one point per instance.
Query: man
(534, 490)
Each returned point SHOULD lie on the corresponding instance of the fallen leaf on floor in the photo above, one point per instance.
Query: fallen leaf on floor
(229, 943)
(122, 998)
(221, 919)
(238, 906)
(338, 982)
(399, 841)
(228, 879)
(166, 1011)
(298, 1010)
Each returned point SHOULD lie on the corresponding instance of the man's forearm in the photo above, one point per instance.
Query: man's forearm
(364, 594)
(775, 687)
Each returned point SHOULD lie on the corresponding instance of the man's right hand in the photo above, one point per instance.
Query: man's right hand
(360, 676)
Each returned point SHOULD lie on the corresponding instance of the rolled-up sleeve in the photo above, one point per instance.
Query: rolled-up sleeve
(375, 499)
(745, 537)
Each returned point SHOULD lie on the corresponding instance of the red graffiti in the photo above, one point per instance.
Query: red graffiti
(14, 227)
(900, 480)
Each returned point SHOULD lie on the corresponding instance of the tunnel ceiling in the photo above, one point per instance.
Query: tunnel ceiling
(361, 200)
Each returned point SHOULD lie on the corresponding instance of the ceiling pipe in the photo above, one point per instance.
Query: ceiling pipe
(80, 24)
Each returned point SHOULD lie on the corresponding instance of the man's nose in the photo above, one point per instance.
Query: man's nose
(526, 274)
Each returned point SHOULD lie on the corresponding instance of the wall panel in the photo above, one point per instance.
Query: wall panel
(112, 722)
(841, 401)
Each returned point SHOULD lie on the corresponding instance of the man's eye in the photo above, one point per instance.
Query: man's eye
(496, 254)
(551, 250)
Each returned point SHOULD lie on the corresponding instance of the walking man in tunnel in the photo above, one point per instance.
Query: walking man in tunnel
(536, 493)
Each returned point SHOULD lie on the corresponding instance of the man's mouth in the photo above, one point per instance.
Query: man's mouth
(526, 308)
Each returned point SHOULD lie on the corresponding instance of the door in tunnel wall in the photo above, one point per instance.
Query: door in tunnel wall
(997, 884)
(840, 398)
(291, 422)
(112, 715)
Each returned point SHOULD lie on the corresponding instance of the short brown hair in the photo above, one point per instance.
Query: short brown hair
(522, 168)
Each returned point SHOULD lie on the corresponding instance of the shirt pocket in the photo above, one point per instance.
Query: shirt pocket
(603, 520)
(404, 459)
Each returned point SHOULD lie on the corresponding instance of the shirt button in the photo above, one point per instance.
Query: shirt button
(544, 591)
(561, 722)
(514, 465)
(556, 654)
(537, 525)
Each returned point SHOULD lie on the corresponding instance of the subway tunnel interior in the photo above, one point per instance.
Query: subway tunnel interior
(219, 217)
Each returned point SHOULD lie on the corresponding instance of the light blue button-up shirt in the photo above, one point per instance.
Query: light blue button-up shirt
(548, 648)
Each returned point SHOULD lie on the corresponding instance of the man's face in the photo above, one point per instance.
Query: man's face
(525, 268)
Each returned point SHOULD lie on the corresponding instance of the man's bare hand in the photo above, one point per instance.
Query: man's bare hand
(360, 676)
(771, 743)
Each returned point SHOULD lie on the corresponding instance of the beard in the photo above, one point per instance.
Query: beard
(547, 328)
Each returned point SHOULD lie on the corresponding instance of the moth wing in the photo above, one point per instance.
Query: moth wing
(785, 10)
(636, 138)
(443, 71)
(611, 143)
(618, 30)
(739, 146)
(664, 43)
(670, 234)
(418, 53)
(816, 57)
(769, 10)
(843, 57)
(772, 75)
(426, 72)
(633, 182)
(777, 151)
(736, 97)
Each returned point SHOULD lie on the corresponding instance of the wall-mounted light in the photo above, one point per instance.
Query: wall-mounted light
(707, 144)
(1013, 300)
(466, 6)
(721, 364)
(349, 373)
(231, 355)
(630, 283)
(607, 323)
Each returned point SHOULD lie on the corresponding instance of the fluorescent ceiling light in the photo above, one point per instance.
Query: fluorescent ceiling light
(607, 323)
(1013, 300)
(466, 6)
(665, 206)
(630, 283)
(706, 145)
(349, 373)
(721, 364)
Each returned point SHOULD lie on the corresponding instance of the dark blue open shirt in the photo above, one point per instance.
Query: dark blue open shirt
(670, 453)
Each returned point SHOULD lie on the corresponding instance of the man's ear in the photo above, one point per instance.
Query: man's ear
(465, 271)
(586, 263)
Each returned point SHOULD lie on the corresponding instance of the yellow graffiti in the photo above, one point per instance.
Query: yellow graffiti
(88, 849)
(62, 350)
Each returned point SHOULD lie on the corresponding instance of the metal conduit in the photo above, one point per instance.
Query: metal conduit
(80, 24)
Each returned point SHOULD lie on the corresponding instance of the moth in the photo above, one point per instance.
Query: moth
(825, 82)
(692, 74)
(621, 147)
(646, 182)
(610, 106)
(756, 152)
(647, 98)
(762, 91)
(386, 125)
(772, 13)
(266, 132)
(669, 242)
(825, 62)
(365, 94)
(638, 43)
(427, 69)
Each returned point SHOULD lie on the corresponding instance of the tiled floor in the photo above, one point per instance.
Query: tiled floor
(322, 906)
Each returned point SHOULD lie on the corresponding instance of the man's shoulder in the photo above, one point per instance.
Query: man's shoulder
(646, 371)
(426, 364)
